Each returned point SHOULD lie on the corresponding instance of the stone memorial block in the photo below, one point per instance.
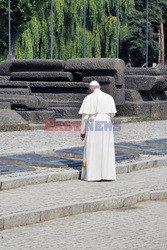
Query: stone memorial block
(11, 120)
(143, 83)
(4, 78)
(42, 76)
(132, 95)
(142, 71)
(98, 67)
(23, 101)
(5, 68)
(5, 105)
(37, 65)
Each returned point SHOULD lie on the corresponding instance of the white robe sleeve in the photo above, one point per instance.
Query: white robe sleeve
(85, 118)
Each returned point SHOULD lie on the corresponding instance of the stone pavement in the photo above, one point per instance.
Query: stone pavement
(142, 226)
(124, 228)
(23, 201)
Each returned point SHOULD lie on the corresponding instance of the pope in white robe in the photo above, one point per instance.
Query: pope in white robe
(96, 127)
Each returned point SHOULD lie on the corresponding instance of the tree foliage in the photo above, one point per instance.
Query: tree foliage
(31, 28)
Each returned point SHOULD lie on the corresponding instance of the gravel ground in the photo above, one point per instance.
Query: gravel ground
(40, 140)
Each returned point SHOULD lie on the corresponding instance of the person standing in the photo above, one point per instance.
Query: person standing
(97, 110)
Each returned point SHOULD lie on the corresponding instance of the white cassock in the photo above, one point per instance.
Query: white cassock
(99, 153)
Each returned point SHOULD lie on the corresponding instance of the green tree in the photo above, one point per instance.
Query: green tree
(136, 35)
(21, 13)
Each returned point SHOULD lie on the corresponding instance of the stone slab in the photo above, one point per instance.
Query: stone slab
(158, 143)
(77, 152)
(140, 149)
(142, 71)
(100, 79)
(147, 110)
(5, 68)
(163, 86)
(4, 78)
(42, 75)
(5, 105)
(89, 64)
(12, 168)
(35, 64)
(14, 91)
(23, 101)
(59, 85)
(132, 95)
(162, 69)
(62, 97)
(14, 84)
(143, 83)
(10, 120)
(40, 160)
(37, 116)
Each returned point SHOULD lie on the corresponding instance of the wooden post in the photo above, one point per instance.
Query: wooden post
(159, 41)
(162, 43)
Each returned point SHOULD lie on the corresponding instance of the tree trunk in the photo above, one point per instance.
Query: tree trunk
(161, 57)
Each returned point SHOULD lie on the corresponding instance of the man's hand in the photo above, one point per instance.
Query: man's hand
(82, 137)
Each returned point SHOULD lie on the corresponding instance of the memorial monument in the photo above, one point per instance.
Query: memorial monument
(53, 89)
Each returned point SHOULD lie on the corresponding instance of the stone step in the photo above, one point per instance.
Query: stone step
(42, 76)
(142, 71)
(35, 65)
(14, 91)
(143, 83)
(23, 101)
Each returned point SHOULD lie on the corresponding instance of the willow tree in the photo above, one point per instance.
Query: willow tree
(68, 32)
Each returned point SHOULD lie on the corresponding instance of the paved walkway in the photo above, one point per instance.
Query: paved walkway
(34, 197)
(143, 226)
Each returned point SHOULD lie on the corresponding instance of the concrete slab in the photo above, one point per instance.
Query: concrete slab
(141, 149)
(158, 143)
(40, 160)
(6, 168)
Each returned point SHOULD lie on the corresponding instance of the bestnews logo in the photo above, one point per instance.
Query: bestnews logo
(68, 125)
